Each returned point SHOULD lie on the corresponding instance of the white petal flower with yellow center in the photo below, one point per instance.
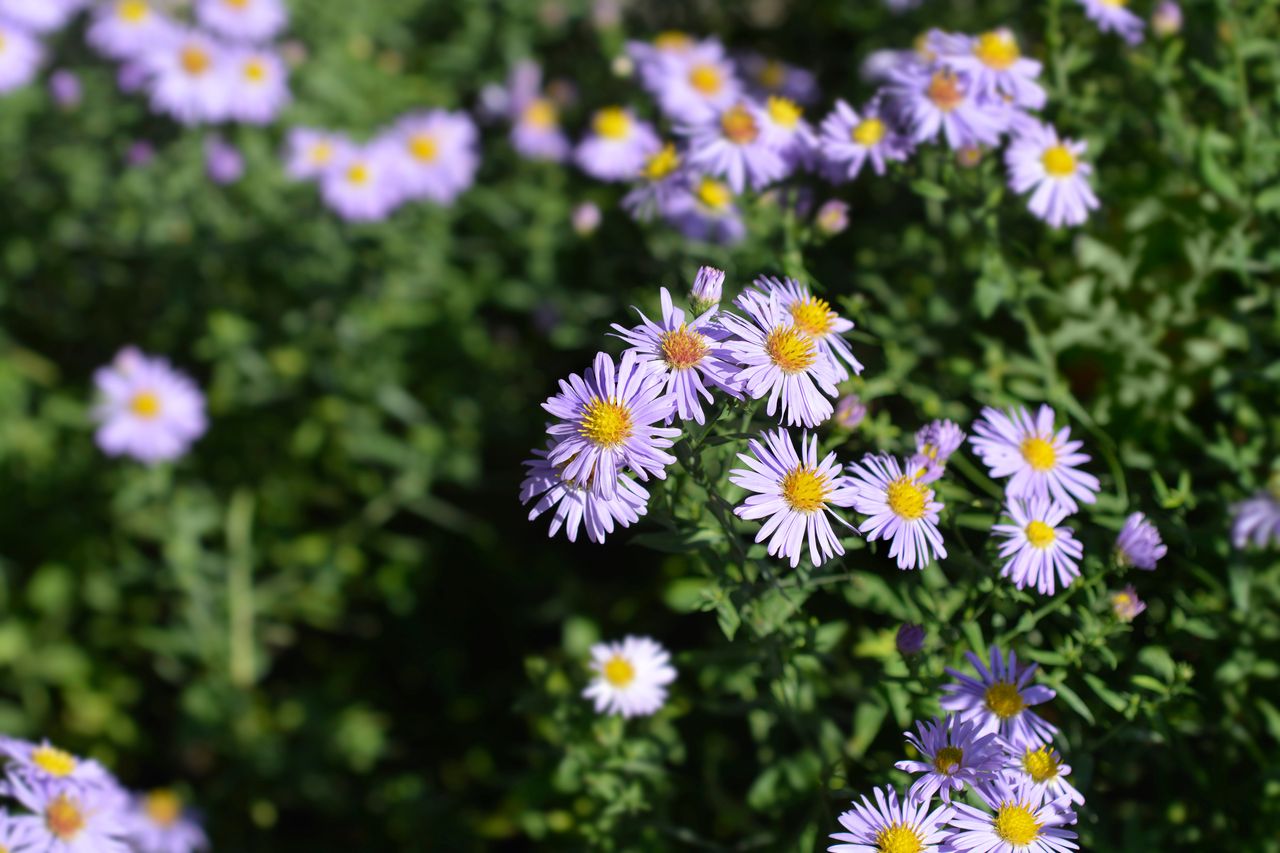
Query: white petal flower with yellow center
(1037, 552)
(1041, 462)
(901, 509)
(631, 677)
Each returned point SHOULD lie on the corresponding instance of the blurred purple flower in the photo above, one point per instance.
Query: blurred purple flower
(223, 162)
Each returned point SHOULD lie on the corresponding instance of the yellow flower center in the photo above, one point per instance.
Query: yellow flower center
(997, 49)
(868, 132)
(944, 91)
(898, 838)
(739, 125)
(321, 153)
(163, 807)
(1039, 534)
(54, 761)
(662, 164)
(606, 423)
(64, 818)
(618, 671)
(1040, 764)
(1016, 824)
(255, 71)
(673, 41)
(714, 194)
(773, 75)
(813, 315)
(424, 148)
(145, 404)
(237, 4)
(1039, 453)
(1004, 700)
(706, 79)
(1058, 161)
(948, 759)
(791, 349)
(195, 61)
(541, 113)
(1121, 602)
(784, 112)
(1115, 3)
(805, 490)
(683, 348)
(612, 123)
(358, 174)
(906, 498)
(132, 11)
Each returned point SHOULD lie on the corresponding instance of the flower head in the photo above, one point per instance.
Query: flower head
(1037, 552)
(737, 146)
(1040, 461)
(1051, 168)
(832, 217)
(693, 86)
(361, 184)
(577, 506)
(996, 67)
(618, 146)
(71, 819)
(160, 822)
(310, 153)
(1166, 20)
(1000, 698)
(260, 85)
(43, 16)
(243, 20)
(1111, 16)
(20, 56)
(1040, 765)
(937, 99)
(1256, 521)
(812, 315)
(436, 155)
(848, 140)
(1126, 605)
(708, 288)
(900, 509)
(891, 826)
(703, 208)
(662, 183)
(631, 677)
(850, 411)
(147, 410)
(953, 753)
(935, 443)
(910, 639)
(1139, 543)
(766, 76)
(43, 764)
(126, 29)
(188, 77)
(223, 162)
(1019, 817)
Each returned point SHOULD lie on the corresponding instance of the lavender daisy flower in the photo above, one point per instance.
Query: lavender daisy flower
(20, 56)
(832, 217)
(260, 87)
(1041, 765)
(1111, 16)
(148, 410)
(934, 445)
(814, 317)
(661, 183)
(705, 210)
(535, 118)
(607, 422)
(618, 146)
(1166, 20)
(188, 78)
(996, 68)
(695, 86)
(65, 88)
(223, 162)
(999, 700)
(1139, 543)
(1256, 521)
(795, 492)
(1021, 818)
(707, 290)
(790, 135)
(850, 411)
(1037, 159)
(650, 58)
(941, 101)
(438, 155)
(900, 508)
(953, 753)
(775, 77)
(311, 153)
(66, 819)
(891, 826)
(848, 141)
(41, 16)
(361, 184)
(576, 506)
(736, 147)
(43, 764)
(684, 354)
(128, 28)
(1041, 462)
(1126, 605)
(585, 218)
(781, 360)
(243, 20)
(631, 677)
(1037, 552)
(159, 822)
(910, 639)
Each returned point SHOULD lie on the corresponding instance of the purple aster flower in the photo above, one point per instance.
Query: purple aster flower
(1020, 818)
(813, 316)
(1166, 20)
(1041, 462)
(795, 492)
(832, 217)
(737, 147)
(684, 353)
(631, 677)
(705, 210)
(140, 153)
(774, 77)
(129, 28)
(880, 64)
(1000, 697)
(661, 182)
(889, 826)
(133, 76)
(148, 410)
(910, 639)
(788, 133)
(534, 117)
(188, 78)
(65, 88)
(1139, 543)
(243, 20)
(1037, 552)
(69, 819)
(953, 752)
(995, 66)
(223, 162)
(577, 506)
(362, 184)
(1126, 605)
(847, 141)
(779, 359)
(311, 153)
(39, 16)
(1041, 765)
(708, 288)
(438, 155)
(850, 411)
(607, 421)
(940, 100)
(159, 822)
(1256, 521)
(695, 86)
(1111, 16)
(900, 509)
(934, 445)
(260, 85)
(586, 218)
(650, 57)
(1037, 159)
(20, 56)
(43, 764)
(618, 146)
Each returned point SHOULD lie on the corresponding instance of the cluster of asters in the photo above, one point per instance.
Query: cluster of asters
(70, 804)
(990, 744)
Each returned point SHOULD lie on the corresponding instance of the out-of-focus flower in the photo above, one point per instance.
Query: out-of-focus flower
(661, 182)
(259, 85)
(695, 86)
(310, 153)
(953, 753)
(243, 20)
(832, 217)
(437, 155)
(618, 145)
(994, 65)
(1256, 521)
(43, 764)
(127, 28)
(65, 88)
(1022, 817)
(1126, 605)
(534, 116)
(704, 209)
(188, 78)
(20, 56)
(1166, 20)
(1139, 543)
(160, 822)
(899, 509)
(362, 184)
(1038, 160)
(1111, 16)
(850, 411)
(847, 140)
(910, 639)
(576, 506)
(69, 819)
(631, 677)
(1000, 698)
(39, 16)
(586, 218)
(767, 77)
(140, 153)
(147, 410)
(735, 146)
(223, 162)
(891, 826)
(650, 57)
(938, 100)
(1037, 552)
(1041, 462)
(935, 443)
